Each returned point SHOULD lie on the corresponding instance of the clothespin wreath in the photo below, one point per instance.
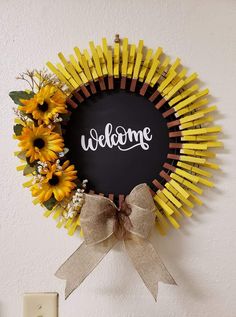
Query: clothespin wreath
(43, 112)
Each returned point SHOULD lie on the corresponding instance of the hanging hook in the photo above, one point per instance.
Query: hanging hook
(117, 38)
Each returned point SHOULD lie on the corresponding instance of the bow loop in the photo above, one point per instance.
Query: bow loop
(143, 207)
(97, 218)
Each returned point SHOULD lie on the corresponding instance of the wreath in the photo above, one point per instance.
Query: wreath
(43, 114)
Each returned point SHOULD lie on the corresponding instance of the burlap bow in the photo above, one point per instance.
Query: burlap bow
(103, 225)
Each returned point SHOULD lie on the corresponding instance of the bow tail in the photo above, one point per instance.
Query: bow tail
(82, 262)
(147, 263)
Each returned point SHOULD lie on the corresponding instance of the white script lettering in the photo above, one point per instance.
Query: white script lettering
(117, 137)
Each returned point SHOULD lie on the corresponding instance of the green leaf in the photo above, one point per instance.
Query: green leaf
(65, 116)
(28, 170)
(17, 95)
(33, 164)
(21, 155)
(50, 203)
(18, 129)
(57, 129)
(29, 115)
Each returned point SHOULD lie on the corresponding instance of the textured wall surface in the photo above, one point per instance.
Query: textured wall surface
(201, 255)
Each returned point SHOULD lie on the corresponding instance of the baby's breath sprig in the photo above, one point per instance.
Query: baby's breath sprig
(37, 79)
(63, 153)
(77, 201)
(57, 118)
(42, 167)
(19, 114)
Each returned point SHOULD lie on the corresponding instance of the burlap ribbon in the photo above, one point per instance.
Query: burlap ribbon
(103, 225)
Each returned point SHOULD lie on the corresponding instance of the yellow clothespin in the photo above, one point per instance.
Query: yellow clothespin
(95, 59)
(102, 61)
(78, 54)
(131, 60)
(161, 224)
(125, 55)
(192, 107)
(186, 183)
(169, 195)
(116, 60)
(187, 175)
(186, 212)
(192, 159)
(157, 54)
(179, 195)
(213, 129)
(191, 78)
(163, 205)
(137, 65)
(71, 70)
(109, 63)
(194, 169)
(67, 75)
(140, 47)
(86, 68)
(152, 71)
(174, 89)
(196, 96)
(91, 65)
(196, 122)
(59, 75)
(160, 71)
(179, 188)
(182, 96)
(145, 65)
(174, 65)
(78, 69)
(173, 222)
(191, 118)
(175, 81)
(105, 47)
(170, 76)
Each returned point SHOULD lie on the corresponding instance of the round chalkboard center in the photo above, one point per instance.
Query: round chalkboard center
(117, 140)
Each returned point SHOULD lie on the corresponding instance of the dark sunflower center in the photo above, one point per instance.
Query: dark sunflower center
(43, 107)
(39, 143)
(54, 180)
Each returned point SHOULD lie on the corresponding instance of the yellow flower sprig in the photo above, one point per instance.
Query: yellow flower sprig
(40, 143)
(57, 180)
(46, 105)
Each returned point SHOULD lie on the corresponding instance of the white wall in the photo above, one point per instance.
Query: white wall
(201, 255)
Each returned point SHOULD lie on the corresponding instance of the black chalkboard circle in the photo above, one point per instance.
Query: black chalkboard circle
(111, 115)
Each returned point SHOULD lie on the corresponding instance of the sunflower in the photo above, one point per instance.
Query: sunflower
(40, 143)
(57, 181)
(46, 104)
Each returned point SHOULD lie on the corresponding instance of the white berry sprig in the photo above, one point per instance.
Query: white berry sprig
(76, 202)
